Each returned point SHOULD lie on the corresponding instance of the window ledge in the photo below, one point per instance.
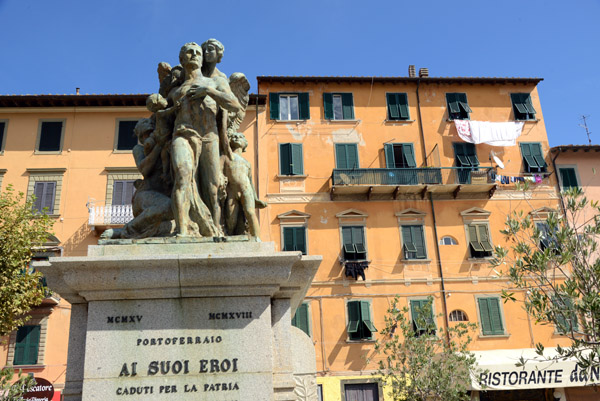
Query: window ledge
(398, 121)
(52, 216)
(299, 176)
(27, 367)
(289, 121)
(493, 336)
(481, 260)
(535, 120)
(122, 151)
(459, 119)
(342, 121)
(51, 152)
(416, 261)
(365, 341)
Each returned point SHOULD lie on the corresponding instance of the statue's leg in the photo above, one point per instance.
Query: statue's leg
(249, 207)
(210, 178)
(182, 161)
(232, 211)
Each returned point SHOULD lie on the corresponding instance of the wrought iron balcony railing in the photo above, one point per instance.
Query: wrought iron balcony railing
(412, 176)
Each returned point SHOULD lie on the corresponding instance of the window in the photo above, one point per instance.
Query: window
(565, 314)
(458, 108)
(490, 316)
(413, 242)
(346, 155)
(3, 124)
(319, 392)
(123, 191)
(458, 316)
(421, 312)
(289, 106)
(568, 178)
(399, 155)
(522, 106)
(338, 106)
(294, 239)
(27, 345)
(126, 140)
(50, 136)
(290, 159)
(533, 158)
(354, 243)
(301, 319)
(465, 155)
(44, 196)
(547, 239)
(361, 392)
(397, 104)
(480, 245)
(360, 326)
(447, 240)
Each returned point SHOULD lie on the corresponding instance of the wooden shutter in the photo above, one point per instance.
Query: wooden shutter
(39, 195)
(27, 345)
(361, 392)
(415, 307)
(300, 319)
(341, 159)
(565, 314)
(536, 152)
(365, 316)
(568, 178)
(527, 154)
(44, 194)
(403, 106)
(473, 239)
(408, 153)
(484, 238)
(118, 189)
(285, 158)
(463, 104)
(328, 106)
(303, 106)
(288, 238)
(452, 100)
(490, 315)
(274, 105)
(297, 166)
(471, 153)
(393, 106)
(347, 106)
(418, 240)
(353, 319)
(300, 239)
(389, 155)
(460, 153)
(409, 246)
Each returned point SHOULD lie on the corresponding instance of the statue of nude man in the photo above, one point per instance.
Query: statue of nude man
(195, 146)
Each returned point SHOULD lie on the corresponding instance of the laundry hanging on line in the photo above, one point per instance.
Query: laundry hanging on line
(490, 133)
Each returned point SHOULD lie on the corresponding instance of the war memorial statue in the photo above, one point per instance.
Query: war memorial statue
(195, 181)
(184, 303)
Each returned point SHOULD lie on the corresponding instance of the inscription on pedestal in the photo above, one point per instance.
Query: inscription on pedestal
(179, 349)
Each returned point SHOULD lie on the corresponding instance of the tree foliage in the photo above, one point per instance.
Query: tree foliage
(555, 261)
(21, 230)
(424, 365)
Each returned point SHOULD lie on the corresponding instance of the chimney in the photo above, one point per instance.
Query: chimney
(77, 91)
(412, 73)
(423, 72)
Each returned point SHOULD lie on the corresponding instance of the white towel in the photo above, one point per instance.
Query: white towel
(463, 130)
(495, 134)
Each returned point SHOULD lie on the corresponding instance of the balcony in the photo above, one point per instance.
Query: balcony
(392, 183)
(103, 217)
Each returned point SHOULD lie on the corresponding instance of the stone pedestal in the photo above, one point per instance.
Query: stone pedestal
(182, 321)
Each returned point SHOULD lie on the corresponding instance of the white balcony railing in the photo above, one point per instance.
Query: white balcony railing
(109, 215)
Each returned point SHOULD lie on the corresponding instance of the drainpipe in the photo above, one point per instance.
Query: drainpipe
(435, 233)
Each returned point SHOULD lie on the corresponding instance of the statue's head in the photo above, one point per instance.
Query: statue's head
(143, 129)
(238, 140)
(213, 50)
(156, 102)
(190, 53)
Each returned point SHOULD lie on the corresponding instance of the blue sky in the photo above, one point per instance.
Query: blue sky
(114, 46)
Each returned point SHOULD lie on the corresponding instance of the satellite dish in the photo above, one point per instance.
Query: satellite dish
(496, 159)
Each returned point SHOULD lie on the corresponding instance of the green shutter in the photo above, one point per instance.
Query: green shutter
(328, 106)
(568, 178)
(408, 243)
(353, 319)
(484, 238)
(408, 153)
(403, 106)
(300, 239)
(285, 158)
(365, 316)
(565, 314)
(536, 152)
(460, 151)
(303, 106)
(357, 235)
(347, 106)
(300, 319)
(389, 155)
(419, 241)
(528, 156)
(452, 100)
(346, 155)
(471, 153)
(274, 105)
(420, 322)
(490, 316)
(462, 102)
(297, 167)
(27, 345)
(393, 106)
(288, 239)
(473, 238)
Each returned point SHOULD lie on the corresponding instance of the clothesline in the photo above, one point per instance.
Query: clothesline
(510, 179)
(490, 133)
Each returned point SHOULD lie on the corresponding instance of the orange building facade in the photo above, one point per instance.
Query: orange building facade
(368, 172)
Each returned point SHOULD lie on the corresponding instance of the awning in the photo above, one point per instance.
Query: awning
(497, 370)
